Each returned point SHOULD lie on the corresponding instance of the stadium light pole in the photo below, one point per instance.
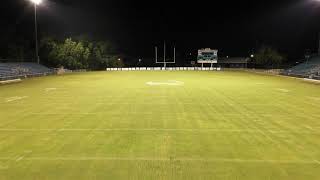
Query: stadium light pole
(36, 3)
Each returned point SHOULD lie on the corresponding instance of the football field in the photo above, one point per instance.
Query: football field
(160, 125)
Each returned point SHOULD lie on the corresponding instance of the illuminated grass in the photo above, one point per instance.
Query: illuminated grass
(184, 125)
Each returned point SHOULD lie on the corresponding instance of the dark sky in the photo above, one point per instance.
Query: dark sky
(233, 27)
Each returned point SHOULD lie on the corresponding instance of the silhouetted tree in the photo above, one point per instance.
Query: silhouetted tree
(268, 57)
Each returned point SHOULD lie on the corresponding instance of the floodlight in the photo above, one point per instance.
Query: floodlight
(37, 2)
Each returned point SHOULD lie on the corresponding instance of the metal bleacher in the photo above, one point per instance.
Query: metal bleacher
(310, 68)
(10, 71)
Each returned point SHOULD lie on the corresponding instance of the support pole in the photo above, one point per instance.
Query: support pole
(164, 55)
(156, 51)
(174, 54)
(36, 33)
(319, 45)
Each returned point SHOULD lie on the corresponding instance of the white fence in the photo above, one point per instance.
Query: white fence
(165, 69)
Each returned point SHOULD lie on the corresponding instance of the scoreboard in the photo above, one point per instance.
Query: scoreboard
(207, 55)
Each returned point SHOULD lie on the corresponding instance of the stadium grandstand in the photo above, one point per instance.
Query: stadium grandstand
(22, 70)
(308, 69)
(234, 62)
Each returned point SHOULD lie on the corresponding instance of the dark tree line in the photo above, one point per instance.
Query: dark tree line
(79, 53)
(72, 53)
(268, 57)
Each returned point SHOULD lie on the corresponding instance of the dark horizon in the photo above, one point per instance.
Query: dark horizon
(234, 28)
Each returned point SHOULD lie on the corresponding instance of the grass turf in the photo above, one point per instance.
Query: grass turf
(112, 125)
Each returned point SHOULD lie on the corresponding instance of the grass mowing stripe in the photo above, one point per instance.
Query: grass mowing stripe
(160, 159)
(218, 125)
(166, 130)
(174, 130)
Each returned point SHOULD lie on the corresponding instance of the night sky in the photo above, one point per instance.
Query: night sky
(232, 27)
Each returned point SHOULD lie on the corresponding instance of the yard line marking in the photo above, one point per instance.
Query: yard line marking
(20, 158)
(50, 89)
(168, 83)
(282, 90)
(308, 127)
(172, 130)
(15, 98)
(314, 98)
(231, 160)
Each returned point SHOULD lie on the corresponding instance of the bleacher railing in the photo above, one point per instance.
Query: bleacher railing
(4, 78)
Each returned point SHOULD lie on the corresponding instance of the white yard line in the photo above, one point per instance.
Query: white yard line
(16, 98)
(313, 98)
(168, 83)
(308, 127)
(50, 89)
(20, 158)
(166, 130)
(282, 90)
(218, 160)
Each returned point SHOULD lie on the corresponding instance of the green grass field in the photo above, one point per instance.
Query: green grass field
(160, 125)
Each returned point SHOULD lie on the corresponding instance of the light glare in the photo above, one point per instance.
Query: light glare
(37, 2)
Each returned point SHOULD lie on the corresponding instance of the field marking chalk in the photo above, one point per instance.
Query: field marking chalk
(15, 98)
(50, 89)
(308, 127)
(282, 90)
(168, 83)
(314, 98)
(20, 158)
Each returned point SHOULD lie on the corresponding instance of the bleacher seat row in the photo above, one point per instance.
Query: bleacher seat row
(307, 69)
(20, 70)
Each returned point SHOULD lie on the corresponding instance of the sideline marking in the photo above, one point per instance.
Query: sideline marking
(311, 80)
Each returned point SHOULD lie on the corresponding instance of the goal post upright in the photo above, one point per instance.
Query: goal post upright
(165, 62)
(156, 51)
(174, 54)
(164, 55)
